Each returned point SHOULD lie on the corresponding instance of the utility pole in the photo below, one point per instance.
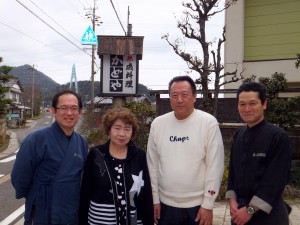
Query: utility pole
(93, 63)
(94, 20)
(32, 92)
(120, 101)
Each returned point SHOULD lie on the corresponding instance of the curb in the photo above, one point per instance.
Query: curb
(13, 144)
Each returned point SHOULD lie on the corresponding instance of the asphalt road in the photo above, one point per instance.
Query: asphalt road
(8, 203)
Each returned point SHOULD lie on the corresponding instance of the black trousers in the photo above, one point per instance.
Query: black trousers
(177, 216)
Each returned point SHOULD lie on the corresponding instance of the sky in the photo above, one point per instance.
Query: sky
(47, 35)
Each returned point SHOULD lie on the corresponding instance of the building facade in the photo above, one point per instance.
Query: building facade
(263, 37)
(16, 111)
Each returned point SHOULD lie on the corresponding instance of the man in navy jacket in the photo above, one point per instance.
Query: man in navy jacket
(48, 167)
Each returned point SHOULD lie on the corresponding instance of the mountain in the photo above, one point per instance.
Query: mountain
(49, 87)
(24, 74)
(84, 88)
(45, 84)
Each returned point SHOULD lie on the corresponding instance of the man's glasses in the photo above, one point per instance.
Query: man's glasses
(65, 109)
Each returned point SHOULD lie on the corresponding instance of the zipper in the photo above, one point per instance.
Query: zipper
(111, 183)
(127, 214)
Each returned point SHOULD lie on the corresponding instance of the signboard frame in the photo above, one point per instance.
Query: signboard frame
(119, 79)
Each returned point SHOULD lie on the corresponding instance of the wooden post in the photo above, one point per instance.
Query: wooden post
(119, 102)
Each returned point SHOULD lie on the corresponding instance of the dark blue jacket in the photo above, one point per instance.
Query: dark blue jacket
(47, 172)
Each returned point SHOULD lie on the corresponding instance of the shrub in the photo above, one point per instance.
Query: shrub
(223, 188)
(144, 113)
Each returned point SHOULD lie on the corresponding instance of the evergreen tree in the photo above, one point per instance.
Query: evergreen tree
(283, 112)
(297, 63)
(4, 77)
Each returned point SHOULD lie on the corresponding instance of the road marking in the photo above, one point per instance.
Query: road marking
(12, 217)
(8, 159)
(1, 175)
(16, 151)
(4, 179)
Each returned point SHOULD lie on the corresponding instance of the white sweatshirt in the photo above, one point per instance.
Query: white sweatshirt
(185, 160)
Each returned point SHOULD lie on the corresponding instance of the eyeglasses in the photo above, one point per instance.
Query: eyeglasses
(65, 109)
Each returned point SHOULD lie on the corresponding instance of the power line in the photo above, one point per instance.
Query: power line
(54, 20)
(71, 1)
(88, 3)
(43, 43)
(52, 27)
(29, 36)
(118, 16)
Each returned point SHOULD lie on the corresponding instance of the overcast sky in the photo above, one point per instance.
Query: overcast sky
(52, 43)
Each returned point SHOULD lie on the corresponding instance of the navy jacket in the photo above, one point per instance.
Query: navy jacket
(47, 172)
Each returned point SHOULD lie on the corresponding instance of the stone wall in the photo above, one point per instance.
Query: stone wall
(2, 129)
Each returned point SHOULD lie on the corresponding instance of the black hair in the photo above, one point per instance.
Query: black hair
(183, 78)
(63, 92)
(255, 87)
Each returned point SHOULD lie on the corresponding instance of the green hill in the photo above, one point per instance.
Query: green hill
(49, 87)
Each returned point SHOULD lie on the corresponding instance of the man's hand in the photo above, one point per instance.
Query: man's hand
(241, 217)
(156, 213)
(233, 206)
(204, 216)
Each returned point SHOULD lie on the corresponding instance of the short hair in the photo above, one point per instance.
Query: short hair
(183, 78)
(65, 92)
(123, 114)
(255, 87)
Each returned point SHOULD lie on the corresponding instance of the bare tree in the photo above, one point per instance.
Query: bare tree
(193, 26)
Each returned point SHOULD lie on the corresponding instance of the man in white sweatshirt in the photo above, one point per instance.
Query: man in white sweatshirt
(185, 156)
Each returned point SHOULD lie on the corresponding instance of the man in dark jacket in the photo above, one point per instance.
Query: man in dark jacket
(259, 165)
(48, 167)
